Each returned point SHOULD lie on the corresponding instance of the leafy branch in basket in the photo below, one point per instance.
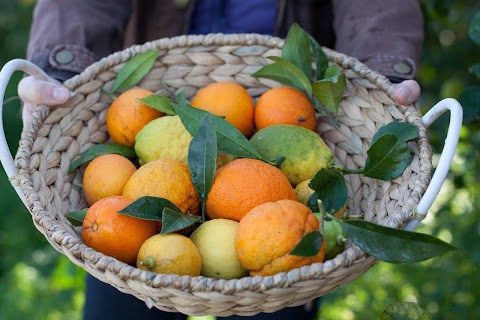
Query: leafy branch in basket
(387, 159)
(323, 84)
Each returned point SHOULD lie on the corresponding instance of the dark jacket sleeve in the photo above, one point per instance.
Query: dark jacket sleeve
(68, 36)
(386, 35)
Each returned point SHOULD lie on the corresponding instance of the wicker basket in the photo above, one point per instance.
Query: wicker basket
(59, 135)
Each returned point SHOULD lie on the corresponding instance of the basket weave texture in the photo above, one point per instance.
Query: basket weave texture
(59, 135)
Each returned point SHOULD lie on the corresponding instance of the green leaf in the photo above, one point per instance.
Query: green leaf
(387, 158)
(296, 49)
(475, 70)
(310, 245)
(162, 104)
(329, 90)
(229, 139)
(470, 101)
(402, 130)
(202, 158)
(148, 208)
(134, 70)
(394, 245)
(76, 217)
(330, 187)
(320, 58)
(173, 221)
(474, 28)
(101, 149)
(304, 81)
(404, 311)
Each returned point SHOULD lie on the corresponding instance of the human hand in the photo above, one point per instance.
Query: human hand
(406, 92)
(35, 92)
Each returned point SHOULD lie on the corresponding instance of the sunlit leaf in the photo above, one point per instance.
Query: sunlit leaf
(394, 245)
(101, 149)
(309, 246)
(134, 70)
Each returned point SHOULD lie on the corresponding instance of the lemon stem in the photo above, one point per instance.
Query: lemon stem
(148, 262)
(345, 170)
(341, 239)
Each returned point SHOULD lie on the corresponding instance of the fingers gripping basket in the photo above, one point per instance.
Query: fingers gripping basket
(57, 136)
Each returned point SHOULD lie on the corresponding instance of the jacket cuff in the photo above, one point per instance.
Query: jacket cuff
(393, 66)
(64, 61)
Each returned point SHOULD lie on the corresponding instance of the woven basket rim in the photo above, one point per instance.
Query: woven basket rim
(72, 246)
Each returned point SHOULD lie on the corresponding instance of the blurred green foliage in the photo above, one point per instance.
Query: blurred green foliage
(36, 282)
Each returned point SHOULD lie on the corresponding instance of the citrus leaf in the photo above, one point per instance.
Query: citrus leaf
(302, 81)
(475, 70)
(394, 245)
(319, 57)
(76, 217)
(101, 149)
(295, 49)
(134, 70)
(474, 28)
(202, 158)
(470, 101)
(387, 158)
(148, 208)
(310, 245)
(404, 311)
(330, 187)
(229, 139)
(402, 130)
(173, 221)
(279, 73)
(161, 103)
(329, 89)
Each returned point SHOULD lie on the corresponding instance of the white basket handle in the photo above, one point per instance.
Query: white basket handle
(5, 74)
(456, 117)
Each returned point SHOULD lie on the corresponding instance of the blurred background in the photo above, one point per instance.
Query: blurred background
(38, 283)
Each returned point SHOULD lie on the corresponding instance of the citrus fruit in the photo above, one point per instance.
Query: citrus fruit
(284, 105)
(164, 178)
(269, 232)
(127, 115)
(335, 237)
(215, 240)
(304, 151)
(229, 100)
(114, 234)
(243, 184)
(106, 176)
(167, 138)
(170, 254)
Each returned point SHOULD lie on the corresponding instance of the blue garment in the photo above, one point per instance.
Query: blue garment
(234, 16)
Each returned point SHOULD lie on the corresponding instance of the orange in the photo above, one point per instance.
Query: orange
(229, 100)
(243, 184)
(164, 178)
(114, 234)
(268, 233)
(284, 105)
(170, 254)
(127, 116)
(106, 176)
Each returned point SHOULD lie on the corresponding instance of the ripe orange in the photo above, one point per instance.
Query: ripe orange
(268, 233)
(127, 116)
(106, 176)
(284, 105)
(115, 234)
(230, 100)
(243, 184)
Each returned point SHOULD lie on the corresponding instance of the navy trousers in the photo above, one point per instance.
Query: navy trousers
(105, 302)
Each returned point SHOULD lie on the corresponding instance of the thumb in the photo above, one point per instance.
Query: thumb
(406, 92)
(42, 92)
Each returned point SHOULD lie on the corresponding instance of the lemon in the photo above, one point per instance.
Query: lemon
(303, 192)
(167, 138)
(304, 151)
(335, 237)
(170, 254)
(215, 240)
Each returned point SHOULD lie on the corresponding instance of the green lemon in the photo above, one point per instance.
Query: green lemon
(304, 151)
(167, 138)
(215, 240)
(335, 237)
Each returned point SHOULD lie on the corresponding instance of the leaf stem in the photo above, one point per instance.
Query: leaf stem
(345, 170)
